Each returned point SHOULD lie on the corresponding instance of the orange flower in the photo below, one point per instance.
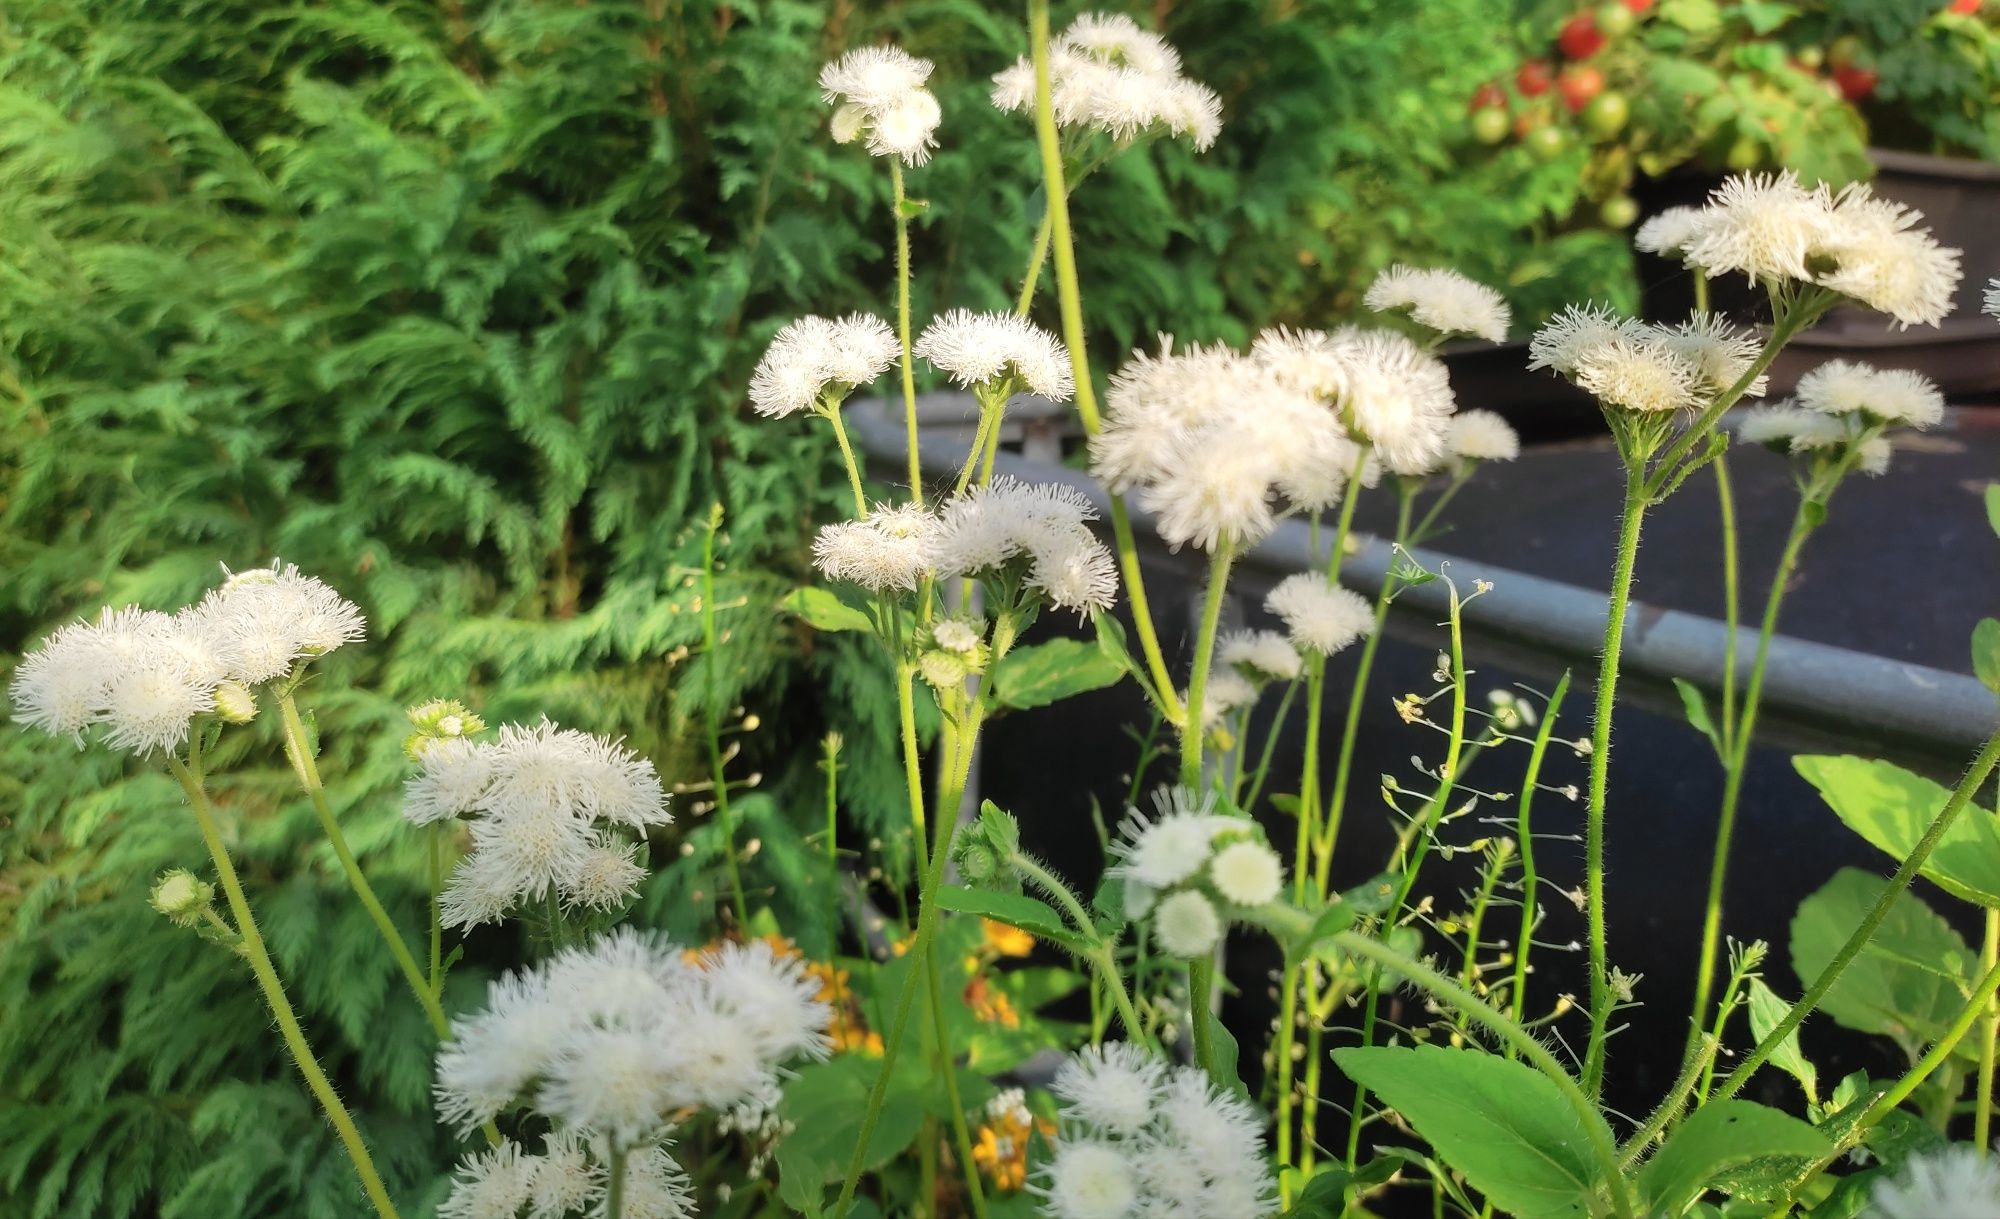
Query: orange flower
(1002, 1147)
(990, 1005)
(1004, 939)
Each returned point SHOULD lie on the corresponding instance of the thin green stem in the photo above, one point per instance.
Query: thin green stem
(1192, 732)
(1535, 1054)
(614, 1183)
(1524, 832)
(710, 718)
(299, 750)
(1692, 1070)
(1099, 953)
(1989, 1043)
(1732, 602)
(252, 945)
(991, 408)
(1739, 758)
(1036, 257)
(435, 980)
(903, 327)
(1975, 776)
(832, 413)
(1271, 734)
(1600, 765)
(1070, 296)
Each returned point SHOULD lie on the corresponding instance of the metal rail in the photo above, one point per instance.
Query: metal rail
(1815, 696)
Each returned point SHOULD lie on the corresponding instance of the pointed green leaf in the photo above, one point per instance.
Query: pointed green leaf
(1715, 1138)
(1503, 1124)
(1986, 653)
(1908, 982)
(1892, 808)
(1031, 915)
(1766, 1011)
(1049, 672)
(1993, 506)
(824, 611)
(1696, 709)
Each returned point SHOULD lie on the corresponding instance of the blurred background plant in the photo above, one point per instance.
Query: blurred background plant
(453, 305)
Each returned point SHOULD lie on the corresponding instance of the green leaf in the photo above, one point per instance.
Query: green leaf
(822, 1103)
(824, 611)
(1048, 672)
(1226, 1053)
(1503, 1124)
(1031, 915)
(1715, 1138)
(1766, 1011)
(1323, 1195)
(1993, 506)
(1908, 982)
(1696, 709)
(1986, 652)
(1891, 808)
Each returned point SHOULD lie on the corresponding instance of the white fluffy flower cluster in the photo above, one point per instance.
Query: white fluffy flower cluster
(1187, 867)
(1042, 530)
(988, 348)
(1142, 1140)
(1246, 662)
(815, 359)
(1842, 405)
(507, 1181)
(879, 94)
(143, 675)
(1774, 229)
(1992, 302)
(1106, 74)
(613, 1040)
(1219, 442)
(1635, 366)
(549, 809)
(1321, 616)
(1482, 436)
(1961, 1182)
(1442, 300)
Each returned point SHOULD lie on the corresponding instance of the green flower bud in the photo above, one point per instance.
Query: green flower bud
(235, 703)
(438, 719)
(182, 897)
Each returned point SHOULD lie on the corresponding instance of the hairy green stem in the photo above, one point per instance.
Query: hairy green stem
(712, 729)
(1099, 954)
(903, 328)
(252, 945)
(832, 413)
(1600, 765)
(1738, 760)
(1989, 1041)
(1204, 652)
(1036, 257)
(1975, 776)
(1524, 831)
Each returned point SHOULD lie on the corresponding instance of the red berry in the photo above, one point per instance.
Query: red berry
(1534, 78)
(1856, 84)
(1580, 38)
(1640, 6)
(1578, 85)
(1487, 95)
(1965, 7)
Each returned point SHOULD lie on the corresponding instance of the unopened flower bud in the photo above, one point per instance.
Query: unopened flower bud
(235, 702)
(181, 896)
(848, 122)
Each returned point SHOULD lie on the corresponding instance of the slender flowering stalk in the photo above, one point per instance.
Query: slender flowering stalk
(899, 204)
(189, 774)
(711, 719)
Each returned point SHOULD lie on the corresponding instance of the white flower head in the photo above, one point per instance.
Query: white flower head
(142, 674)
(1114, 1087)
(1478, 435)
(1792, 428)
(656, 1187)
(1893, 395)
(1442, 300)
(767, 998)
(1399, 397)
(565, 1178)
(1720, 353)
(1088, 1179)
(1670, 232)
(880, 91)
(1045, 525)
(1247, 873)
(1108, 75)
(268, 618)
(1186, 925)
(1227, 691)
(1263, 655)
(604, 877)
(491, 1184)
(889, 549)
(1992, 301)
(1885, 262)
(1220, 496)
(1321, 617)
(978, 348)
(1958, 1181)
(452, 780)
(1172, 845)
(1578, 329)
(817, 360)
(1641, 370)
(1766, 226)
